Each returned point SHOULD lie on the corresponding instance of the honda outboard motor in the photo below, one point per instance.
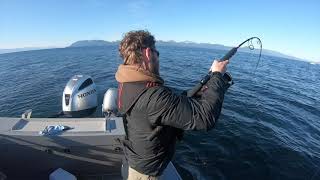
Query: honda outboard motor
(80, 97)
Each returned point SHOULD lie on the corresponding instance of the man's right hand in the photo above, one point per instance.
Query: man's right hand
(219, 66)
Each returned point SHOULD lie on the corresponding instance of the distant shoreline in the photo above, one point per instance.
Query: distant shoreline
(95, 43)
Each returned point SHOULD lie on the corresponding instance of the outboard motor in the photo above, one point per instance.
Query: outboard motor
(109, 109)
(110, 99)
(80, 97)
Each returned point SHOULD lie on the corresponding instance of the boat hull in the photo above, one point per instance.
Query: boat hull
(88, 149)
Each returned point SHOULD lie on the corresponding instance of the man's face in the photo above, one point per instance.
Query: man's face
(151, 60)
(155, 61)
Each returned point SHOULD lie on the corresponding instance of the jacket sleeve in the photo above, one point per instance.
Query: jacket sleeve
(166, 108)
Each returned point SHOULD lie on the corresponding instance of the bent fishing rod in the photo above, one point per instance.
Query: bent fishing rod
(227, 56)
(205, 79)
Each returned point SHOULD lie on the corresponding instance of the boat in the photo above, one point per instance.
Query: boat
(33, 148)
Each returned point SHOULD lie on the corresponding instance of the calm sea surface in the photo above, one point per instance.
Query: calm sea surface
(270, 122)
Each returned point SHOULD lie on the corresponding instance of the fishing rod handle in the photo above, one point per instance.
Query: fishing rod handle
(197, 87)
(205, 79)
(229, 54)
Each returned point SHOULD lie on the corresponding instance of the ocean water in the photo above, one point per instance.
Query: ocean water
(270, 123)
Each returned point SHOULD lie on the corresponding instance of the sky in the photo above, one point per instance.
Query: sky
(287, 26)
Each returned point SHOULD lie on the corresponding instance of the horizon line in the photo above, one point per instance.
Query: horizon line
(114, 41)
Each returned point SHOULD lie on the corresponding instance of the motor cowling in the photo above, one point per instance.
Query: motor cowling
(110, 99)
(80, 97)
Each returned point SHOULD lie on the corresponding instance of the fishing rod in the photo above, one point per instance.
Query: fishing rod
(205, 79)
(227, 56)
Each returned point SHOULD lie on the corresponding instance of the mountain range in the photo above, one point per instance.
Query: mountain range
(87, 43)
(226, 48)
(92, 43)
(3, 51)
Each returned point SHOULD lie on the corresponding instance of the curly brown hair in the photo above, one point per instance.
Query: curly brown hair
(131, 46)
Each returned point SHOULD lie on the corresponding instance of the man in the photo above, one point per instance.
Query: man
(147, 104)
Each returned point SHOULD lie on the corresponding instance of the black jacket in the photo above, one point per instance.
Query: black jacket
(148, 107)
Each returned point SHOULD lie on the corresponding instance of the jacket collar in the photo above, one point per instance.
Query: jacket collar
(134, 73)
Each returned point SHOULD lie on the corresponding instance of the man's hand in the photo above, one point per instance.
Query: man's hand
(219, 66)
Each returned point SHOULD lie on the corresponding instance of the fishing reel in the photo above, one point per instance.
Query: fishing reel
(228, 79)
